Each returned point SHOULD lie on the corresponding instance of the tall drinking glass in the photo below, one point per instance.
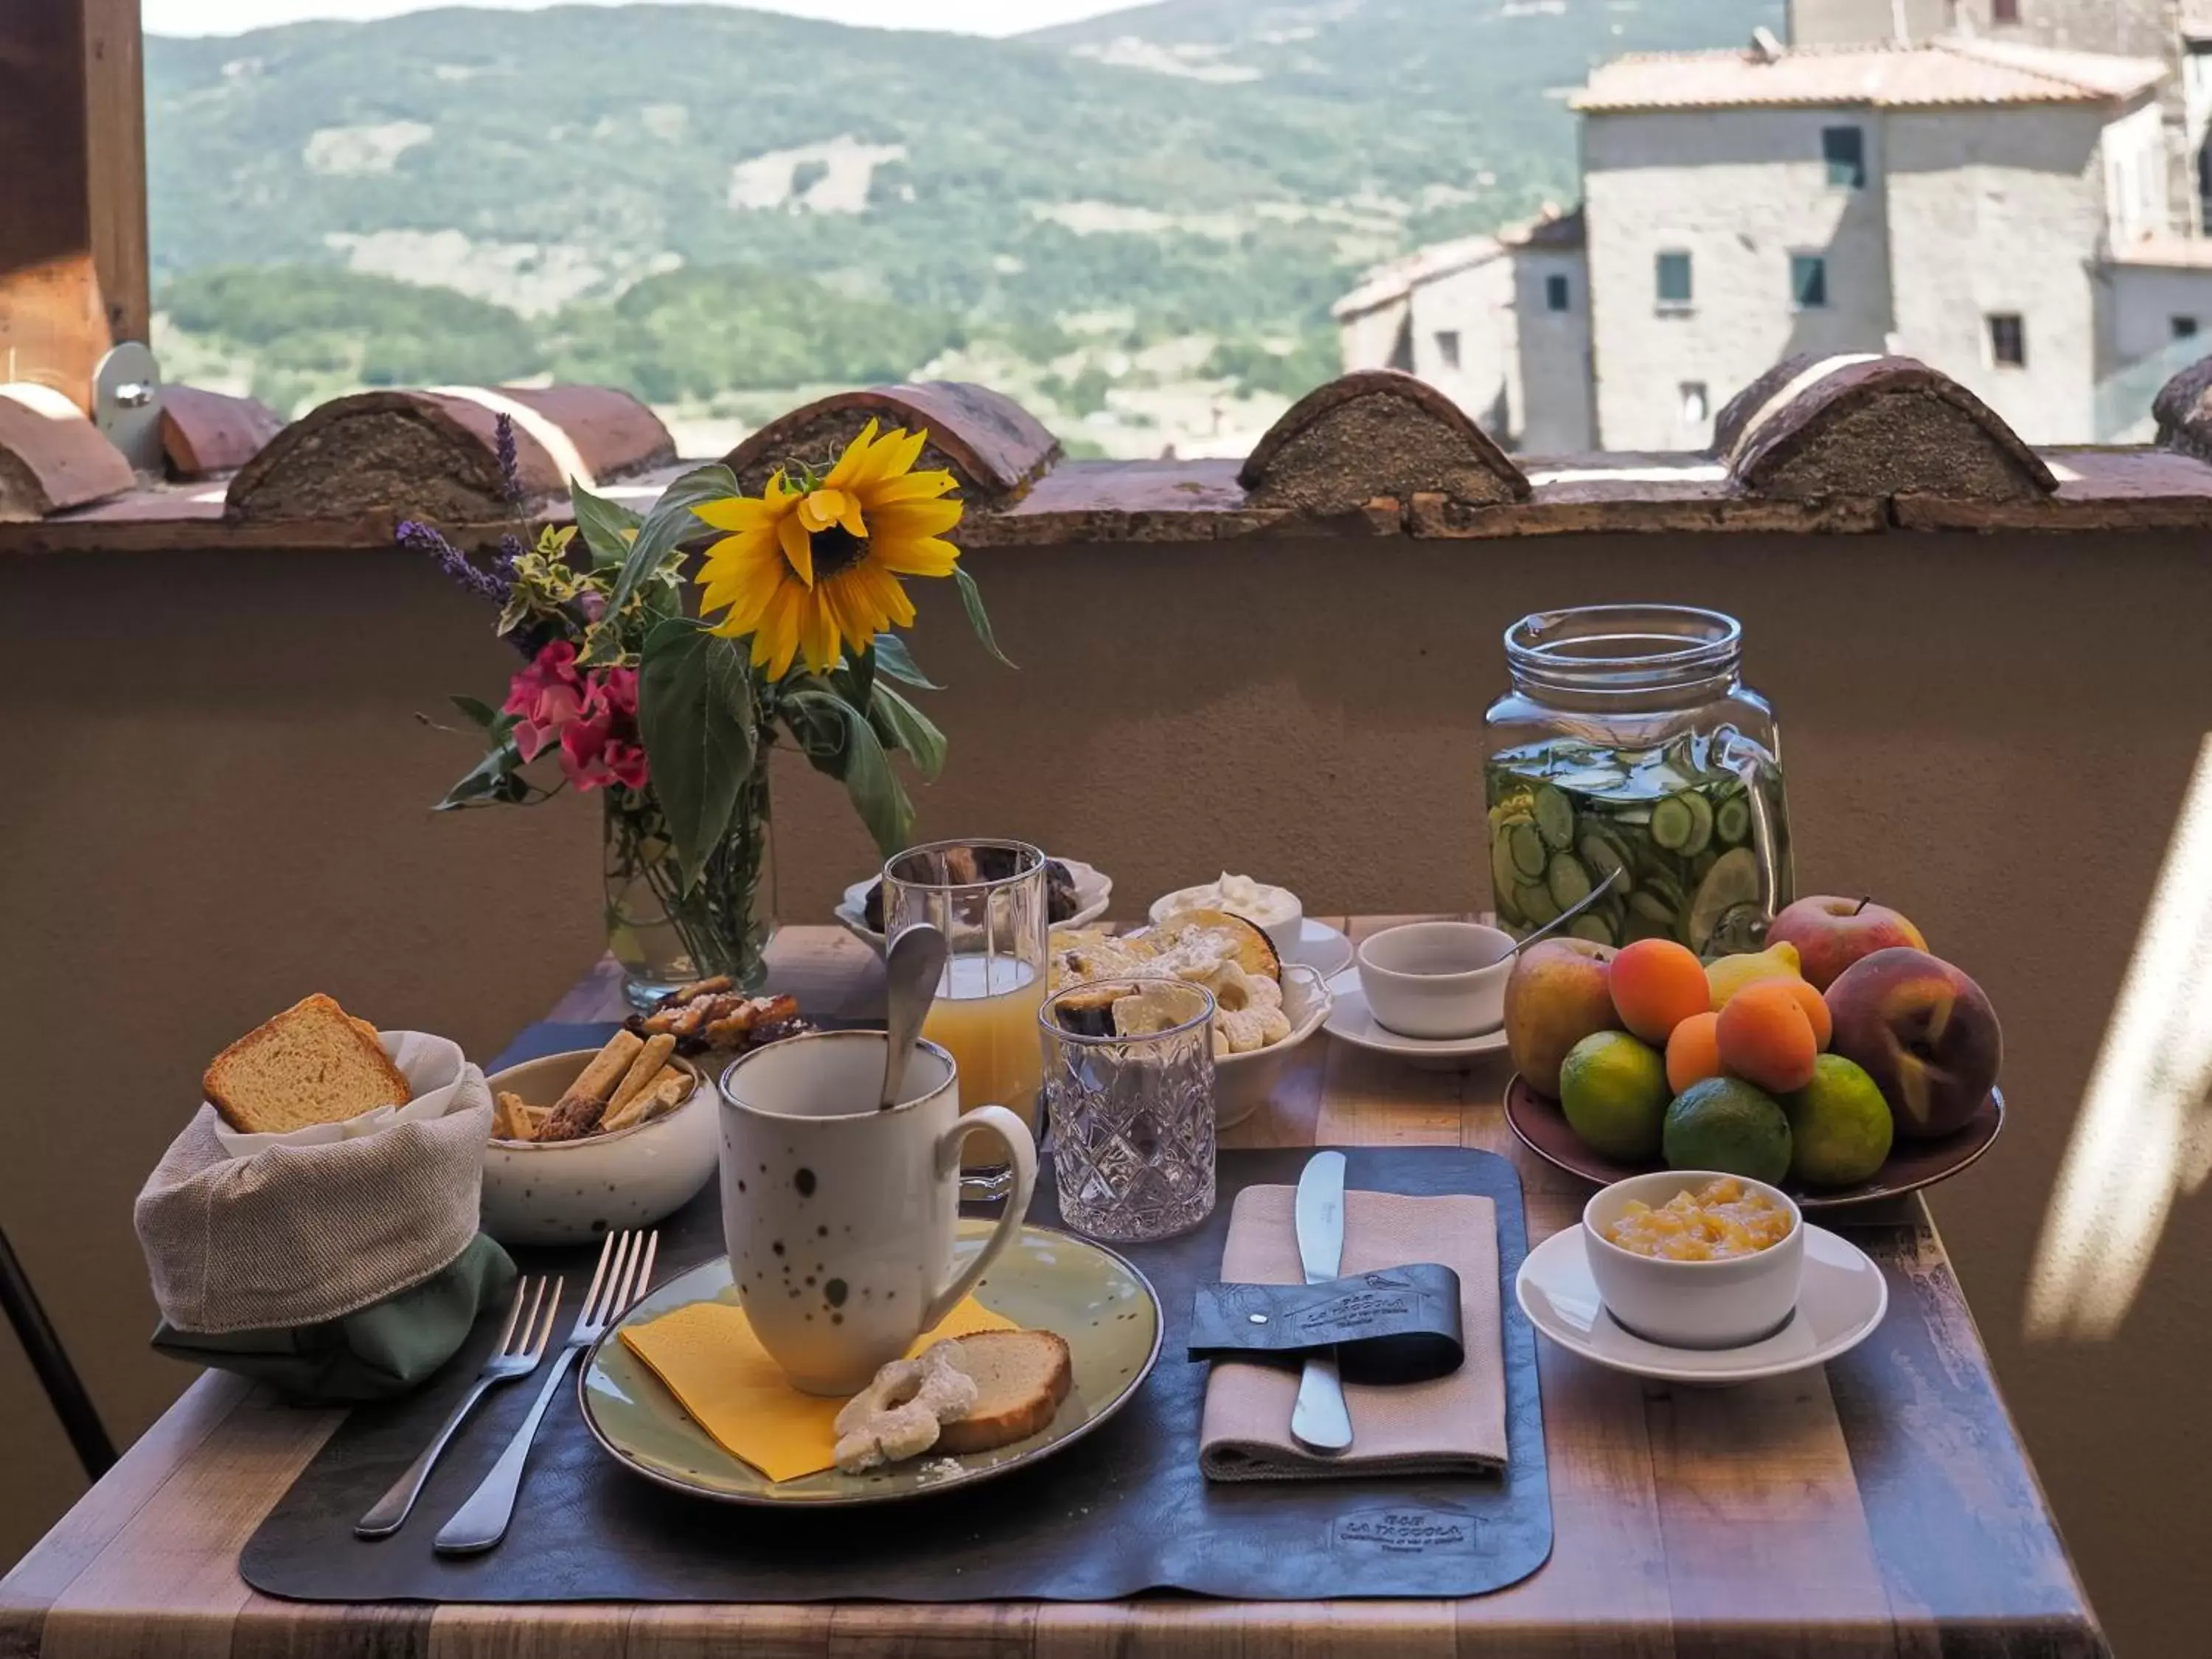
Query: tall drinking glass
(1132, 1117)
(988, 898)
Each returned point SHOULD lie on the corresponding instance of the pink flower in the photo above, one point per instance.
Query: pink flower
(600, 746)
(550, 695)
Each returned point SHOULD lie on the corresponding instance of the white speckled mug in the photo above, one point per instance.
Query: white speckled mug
(840, 1217)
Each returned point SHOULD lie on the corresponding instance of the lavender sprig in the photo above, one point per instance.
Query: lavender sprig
(423, 539)
(510, 469)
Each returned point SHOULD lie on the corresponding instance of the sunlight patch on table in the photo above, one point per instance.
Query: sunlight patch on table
(2144, 1133)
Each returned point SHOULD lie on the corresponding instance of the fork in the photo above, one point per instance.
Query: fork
(521, 1346)
(625, 1270)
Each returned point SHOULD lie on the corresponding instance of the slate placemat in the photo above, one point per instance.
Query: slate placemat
(1123, 1511)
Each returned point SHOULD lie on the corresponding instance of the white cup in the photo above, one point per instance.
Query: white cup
(840, 1217)
(1436, 979)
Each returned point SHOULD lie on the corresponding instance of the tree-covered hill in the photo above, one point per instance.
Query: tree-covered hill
(690, 199)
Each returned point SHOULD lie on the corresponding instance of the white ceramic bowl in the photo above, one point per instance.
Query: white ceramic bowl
(1094, 891)
(1242, 1083)
(570, 1192)
(1438, 980)
(1693, 1304)
(1283, 935)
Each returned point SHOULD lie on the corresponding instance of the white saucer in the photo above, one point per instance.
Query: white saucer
(1351, 1020)
(1844, 1298)
(1322, 948)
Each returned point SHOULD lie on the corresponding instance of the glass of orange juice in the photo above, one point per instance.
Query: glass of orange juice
(988, 898)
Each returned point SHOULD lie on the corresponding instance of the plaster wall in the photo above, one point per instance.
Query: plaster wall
(1739, 190)
(2001, 211)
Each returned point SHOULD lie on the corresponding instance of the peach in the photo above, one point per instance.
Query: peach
(1556, 996)
(1656, 985)
(1693, 1052)
(1831, 933)
(1923, 1032)
(1765, 1037)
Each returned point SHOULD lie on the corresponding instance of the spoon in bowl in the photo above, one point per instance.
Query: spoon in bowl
(912, 968)
(1565, 916)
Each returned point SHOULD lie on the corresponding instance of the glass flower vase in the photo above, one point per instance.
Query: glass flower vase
(663, 935)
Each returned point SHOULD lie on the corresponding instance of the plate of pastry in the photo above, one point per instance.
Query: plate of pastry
(1069, 1332)
(1076, 893)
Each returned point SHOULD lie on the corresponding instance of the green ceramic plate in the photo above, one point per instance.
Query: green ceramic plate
(1046, 1280)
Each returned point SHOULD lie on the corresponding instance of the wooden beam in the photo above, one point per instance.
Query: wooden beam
(73, 260)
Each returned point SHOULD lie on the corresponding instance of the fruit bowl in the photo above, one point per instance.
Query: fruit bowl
(1911, 1164)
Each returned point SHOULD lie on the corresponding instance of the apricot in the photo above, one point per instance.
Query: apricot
(1656, 985)
(1693, 1051)
(1765, 1037)
(1816, 1011)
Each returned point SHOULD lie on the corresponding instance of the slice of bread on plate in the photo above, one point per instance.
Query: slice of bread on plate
(1021, 1377)
(311, 1064)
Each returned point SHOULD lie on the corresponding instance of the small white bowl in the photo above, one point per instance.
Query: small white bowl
(1242, 1083)
(570, 1192)
(1285, 936)
(1693, 1304)
(1438, 980)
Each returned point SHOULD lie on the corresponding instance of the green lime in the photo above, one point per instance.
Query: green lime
(1614, 1091)
(1839, 1125)
(1726, 1125)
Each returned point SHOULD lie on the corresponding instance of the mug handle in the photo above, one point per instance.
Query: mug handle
(1018, 1141)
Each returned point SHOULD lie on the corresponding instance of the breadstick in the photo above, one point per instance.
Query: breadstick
(507, 1119)
(662, 1091)
(651, 1057)
(533, 1121)
(597, 1079)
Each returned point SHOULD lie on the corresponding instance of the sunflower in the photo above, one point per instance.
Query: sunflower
(814, 567)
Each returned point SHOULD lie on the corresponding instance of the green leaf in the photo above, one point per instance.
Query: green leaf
(909, 729)
(855, 678)
(972, 597)
(861, 762)
(481, 712)
(892, 657)
(670, 523)
(495, 779)
(695, 710)
(605, 525)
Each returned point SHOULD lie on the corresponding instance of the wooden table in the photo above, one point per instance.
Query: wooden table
(1881, 1506)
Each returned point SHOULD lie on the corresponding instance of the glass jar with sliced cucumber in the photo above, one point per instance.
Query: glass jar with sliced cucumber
(1630, 748)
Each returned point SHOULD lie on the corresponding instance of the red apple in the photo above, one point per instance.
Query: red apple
(1923, 1032)
(1831, 933)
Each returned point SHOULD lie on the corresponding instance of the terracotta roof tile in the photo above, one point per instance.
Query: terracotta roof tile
(1951, 71)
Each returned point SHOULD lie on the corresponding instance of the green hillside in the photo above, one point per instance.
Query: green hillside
(690, 200)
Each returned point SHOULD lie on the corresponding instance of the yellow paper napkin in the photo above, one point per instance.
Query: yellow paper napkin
(710, 1360)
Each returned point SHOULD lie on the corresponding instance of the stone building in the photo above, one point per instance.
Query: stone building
(2178, 32)
(1999, 209)
(1500, 323)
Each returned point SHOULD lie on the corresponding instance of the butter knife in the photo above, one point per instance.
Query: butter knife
(1320, 1421)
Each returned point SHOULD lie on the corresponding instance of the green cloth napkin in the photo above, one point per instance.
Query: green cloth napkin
(382, 1350)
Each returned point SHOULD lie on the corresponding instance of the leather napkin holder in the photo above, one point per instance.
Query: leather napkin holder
(1399, 1325)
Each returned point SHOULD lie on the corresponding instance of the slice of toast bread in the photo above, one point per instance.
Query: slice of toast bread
(1021, 1377)
(311, 1064)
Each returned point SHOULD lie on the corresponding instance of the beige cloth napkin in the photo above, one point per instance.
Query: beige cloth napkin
(293, 1235)
(1449, 1424)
